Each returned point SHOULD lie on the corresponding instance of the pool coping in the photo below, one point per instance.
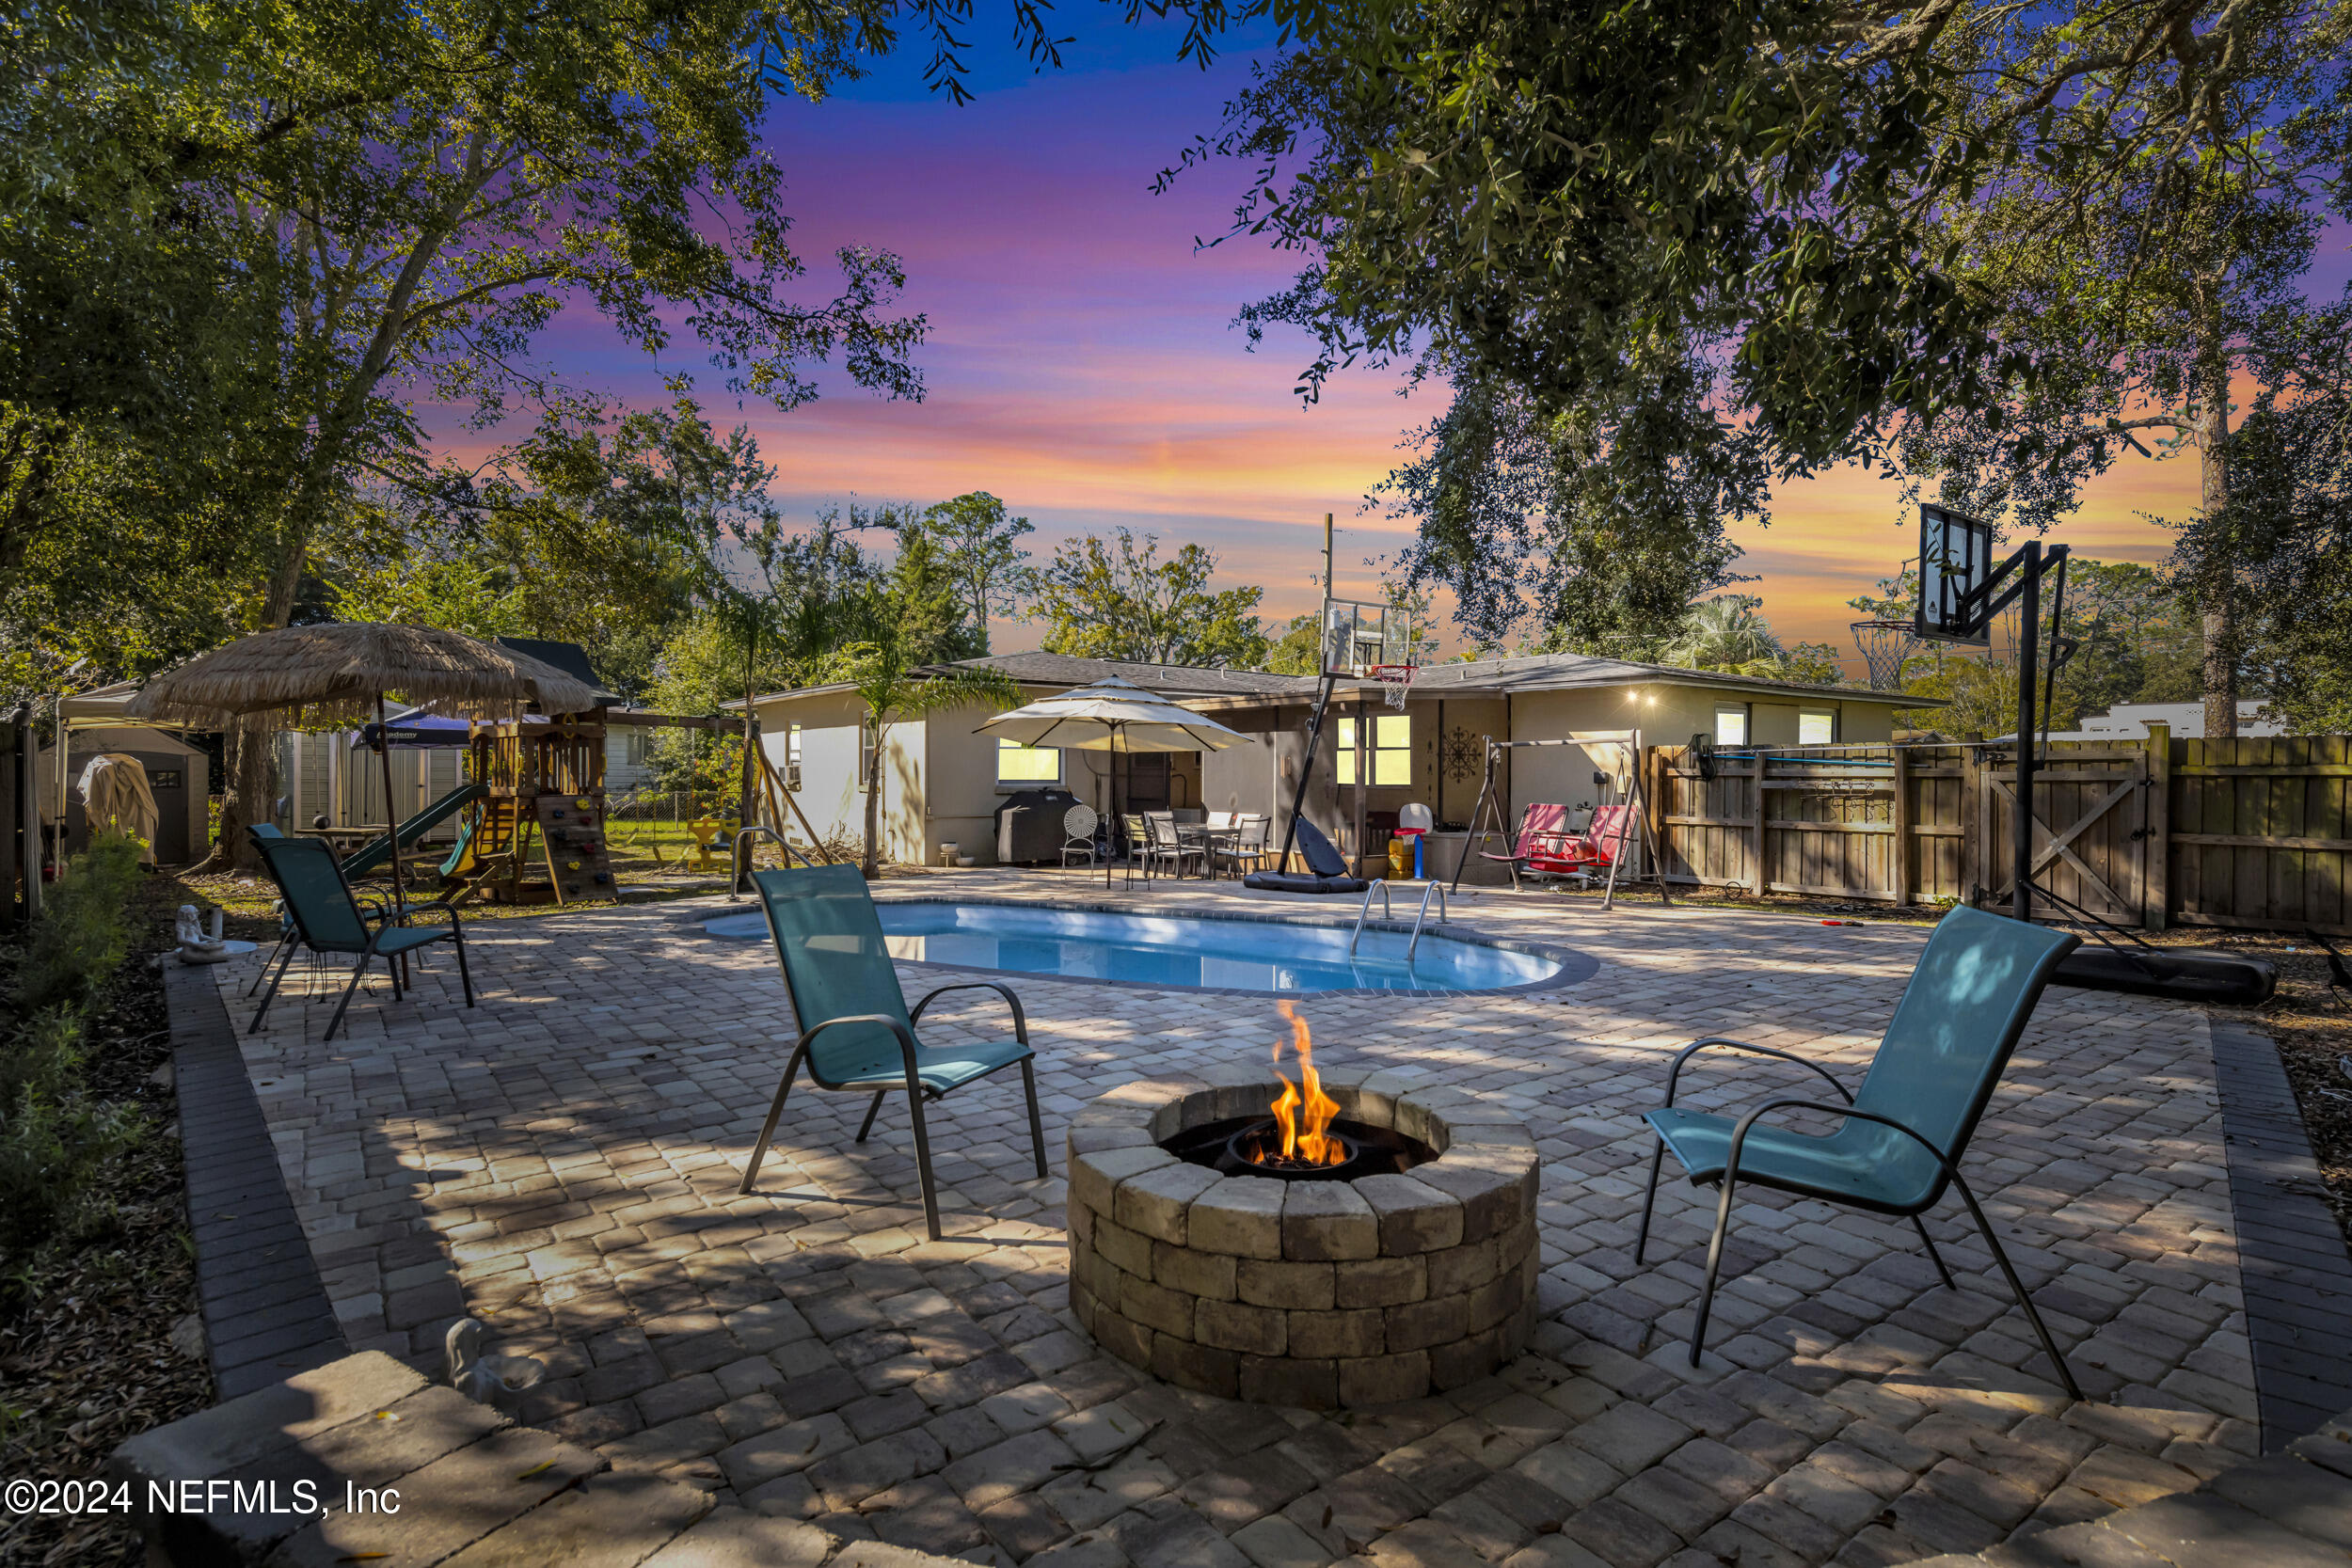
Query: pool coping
(1576, 965)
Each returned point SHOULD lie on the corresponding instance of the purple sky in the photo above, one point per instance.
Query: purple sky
(1081, 365)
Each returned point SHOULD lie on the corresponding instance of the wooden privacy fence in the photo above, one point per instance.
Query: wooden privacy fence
(2146, 833)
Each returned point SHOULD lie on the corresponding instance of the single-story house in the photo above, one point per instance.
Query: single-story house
(2130, 721)
(942, 782)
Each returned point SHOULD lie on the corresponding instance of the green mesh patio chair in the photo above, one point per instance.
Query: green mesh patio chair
(328, 918)
(1902, 1134)
(258, 832)
(288, 936)
(855, 1031)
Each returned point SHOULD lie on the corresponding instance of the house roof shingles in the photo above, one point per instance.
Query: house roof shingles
(1177, 680)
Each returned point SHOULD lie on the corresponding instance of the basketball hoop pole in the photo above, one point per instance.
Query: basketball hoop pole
(2030, 637)
(1963, 611)
(1323, 704)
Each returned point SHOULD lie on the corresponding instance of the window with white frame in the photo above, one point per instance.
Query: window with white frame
(1391, 752)
(1816, 726)
(1731, 723)
(868, 739)
(791, 756)
(1023, 766)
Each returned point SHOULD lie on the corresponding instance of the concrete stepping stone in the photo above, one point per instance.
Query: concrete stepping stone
(364, 1460)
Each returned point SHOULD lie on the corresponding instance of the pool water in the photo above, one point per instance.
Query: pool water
(1182, 950)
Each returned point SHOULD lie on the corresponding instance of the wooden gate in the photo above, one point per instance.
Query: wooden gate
(2091, 829)
(2260, 833)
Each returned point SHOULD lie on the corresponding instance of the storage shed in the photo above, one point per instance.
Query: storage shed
(178, 775)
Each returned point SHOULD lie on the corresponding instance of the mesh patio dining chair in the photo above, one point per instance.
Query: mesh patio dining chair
(1248, 850)
(328, 918)
(1902, 1134)
(854, 1030)
(1168, 846)
(1144, 847)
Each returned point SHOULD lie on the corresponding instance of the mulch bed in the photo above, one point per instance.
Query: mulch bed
(87, 1345)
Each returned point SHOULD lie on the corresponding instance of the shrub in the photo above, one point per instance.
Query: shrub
(84, 929)
(53, 1139)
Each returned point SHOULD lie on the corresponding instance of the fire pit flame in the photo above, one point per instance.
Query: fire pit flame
(1304, 1118)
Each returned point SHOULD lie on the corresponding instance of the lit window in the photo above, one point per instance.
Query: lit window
(1017, 764)
(1731, 723)
(1392, 750)
(1816, 726)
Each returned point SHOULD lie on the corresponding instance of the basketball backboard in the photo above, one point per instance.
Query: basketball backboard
(1355, 636)
(1955, 565)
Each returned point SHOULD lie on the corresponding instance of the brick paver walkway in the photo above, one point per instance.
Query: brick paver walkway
(561, 1162)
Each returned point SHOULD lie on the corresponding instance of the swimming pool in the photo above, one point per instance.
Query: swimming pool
(1204, 952)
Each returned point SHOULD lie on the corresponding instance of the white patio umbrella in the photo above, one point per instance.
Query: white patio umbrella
(1114, 716)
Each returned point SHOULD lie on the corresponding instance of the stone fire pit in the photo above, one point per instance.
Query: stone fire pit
(1315, 1293)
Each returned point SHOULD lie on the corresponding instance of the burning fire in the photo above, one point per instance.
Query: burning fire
(1305, 1118)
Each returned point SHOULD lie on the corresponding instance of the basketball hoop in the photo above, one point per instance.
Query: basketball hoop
(1355, 636)
(1885, 646)
(1397, 679)
(1956, 577)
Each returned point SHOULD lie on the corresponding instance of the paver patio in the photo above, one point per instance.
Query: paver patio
(561, 1162)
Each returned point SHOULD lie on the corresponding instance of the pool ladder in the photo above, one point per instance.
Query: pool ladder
(734, 857)
(1420, 916)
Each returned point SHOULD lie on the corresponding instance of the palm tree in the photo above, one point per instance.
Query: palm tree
(1722, 633)
(894, 686)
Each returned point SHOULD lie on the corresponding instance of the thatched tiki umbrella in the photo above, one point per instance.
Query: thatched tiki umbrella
(339, 673)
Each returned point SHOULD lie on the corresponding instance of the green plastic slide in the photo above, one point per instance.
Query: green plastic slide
(371, 854)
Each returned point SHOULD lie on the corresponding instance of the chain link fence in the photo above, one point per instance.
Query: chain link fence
(651, 830)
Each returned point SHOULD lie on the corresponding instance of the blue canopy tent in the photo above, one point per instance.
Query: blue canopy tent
(419, 729)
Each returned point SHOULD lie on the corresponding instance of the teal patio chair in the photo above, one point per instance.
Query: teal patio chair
(855, 1031)
(328, 918)
(259, 833)
(1904, 1132)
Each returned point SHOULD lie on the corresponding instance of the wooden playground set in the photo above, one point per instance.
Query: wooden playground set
(534, 801)
(542, 781)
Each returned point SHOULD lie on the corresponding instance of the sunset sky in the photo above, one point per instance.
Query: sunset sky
(1081, 364)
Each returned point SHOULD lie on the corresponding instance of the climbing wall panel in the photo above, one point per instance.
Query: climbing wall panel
(571, 832)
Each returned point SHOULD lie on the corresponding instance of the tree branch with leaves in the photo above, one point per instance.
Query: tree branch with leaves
(1118, 599)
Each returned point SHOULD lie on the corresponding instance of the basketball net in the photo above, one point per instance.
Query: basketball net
(1396, 681)
(1886, 646)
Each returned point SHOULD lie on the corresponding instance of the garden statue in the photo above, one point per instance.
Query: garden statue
(493, 1379)
(196, 945)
